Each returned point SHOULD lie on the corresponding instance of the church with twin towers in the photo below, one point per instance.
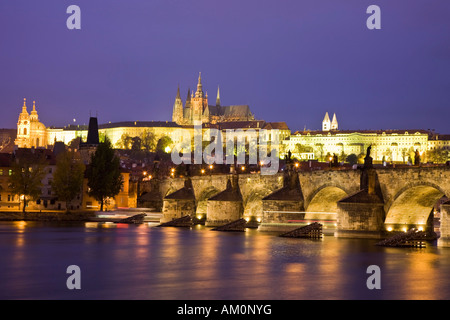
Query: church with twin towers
(197, 108)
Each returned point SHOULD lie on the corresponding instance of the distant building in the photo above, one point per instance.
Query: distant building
(439, 141)
(47, 200)
(388, 145)
(30, 132)
(328, 125)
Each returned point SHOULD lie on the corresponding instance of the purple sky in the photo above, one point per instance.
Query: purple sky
(290, 60)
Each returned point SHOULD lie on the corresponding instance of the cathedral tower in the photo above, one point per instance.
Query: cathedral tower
(177, 114)
(326, 123)
(334, 123)
(199, 101)
(218, 97)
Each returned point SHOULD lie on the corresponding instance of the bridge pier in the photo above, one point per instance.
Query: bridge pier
(179, 203)
(284, 205)
(360, 216)
(226, 206)
(444, 239)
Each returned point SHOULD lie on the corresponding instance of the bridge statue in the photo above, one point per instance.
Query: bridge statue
(368, 159)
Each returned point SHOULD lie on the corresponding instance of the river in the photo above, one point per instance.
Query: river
(121, 261)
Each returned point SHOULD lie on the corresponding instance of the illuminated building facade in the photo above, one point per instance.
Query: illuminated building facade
(388, 145)
(30, 132)
(197, 108)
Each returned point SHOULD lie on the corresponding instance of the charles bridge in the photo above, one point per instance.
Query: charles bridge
(363, 202)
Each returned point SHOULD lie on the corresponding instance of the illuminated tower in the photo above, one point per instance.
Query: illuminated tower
(34, 114)
(177, 115)
(199, 102)
(334, 123)
(23, 128)
(30, 132)
(326, 123)
(218, 97)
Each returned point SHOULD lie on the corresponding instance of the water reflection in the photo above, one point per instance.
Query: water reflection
(121, 261)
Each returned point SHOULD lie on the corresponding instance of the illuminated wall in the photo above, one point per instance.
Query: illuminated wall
(392, 145)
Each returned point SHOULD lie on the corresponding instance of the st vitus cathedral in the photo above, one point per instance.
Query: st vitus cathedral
(197, 109)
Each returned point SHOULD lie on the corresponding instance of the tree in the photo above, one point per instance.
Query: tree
(68, 177)
(101, 136)
(75, 143)
(147, 141)
(342, 157)
(438, 155)
(163, 143)
(319, 152)
(26, 176)
(103, 173)
(352, 159)
(136, 144)
(125, 142)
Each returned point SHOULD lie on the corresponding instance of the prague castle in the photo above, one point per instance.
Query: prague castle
(32, 133)
(386, 145)
(197, 108)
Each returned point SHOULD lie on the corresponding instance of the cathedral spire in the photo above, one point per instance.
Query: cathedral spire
(199, 93)
(334, 123)
(188, 95)
(178, 93)
(177, 114)
(24, 107)
(326, 123)
(218, 97)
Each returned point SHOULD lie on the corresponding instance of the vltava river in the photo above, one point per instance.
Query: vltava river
(143, 262)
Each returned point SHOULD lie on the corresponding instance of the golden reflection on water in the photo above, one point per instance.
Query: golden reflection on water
(414, 273)
(197, 263)
(20, 227)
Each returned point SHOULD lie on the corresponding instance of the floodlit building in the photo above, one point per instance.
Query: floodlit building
(388, 145)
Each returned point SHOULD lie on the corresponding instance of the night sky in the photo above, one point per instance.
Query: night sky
(290, 60)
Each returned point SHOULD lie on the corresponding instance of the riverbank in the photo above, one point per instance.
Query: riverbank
(47, 216)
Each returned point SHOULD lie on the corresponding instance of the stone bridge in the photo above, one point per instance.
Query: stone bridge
(401, 197)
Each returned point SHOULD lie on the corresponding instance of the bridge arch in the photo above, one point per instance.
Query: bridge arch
(169, 190)
(202, 200)
(253, 206)
(412, 205)
(322, 203)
